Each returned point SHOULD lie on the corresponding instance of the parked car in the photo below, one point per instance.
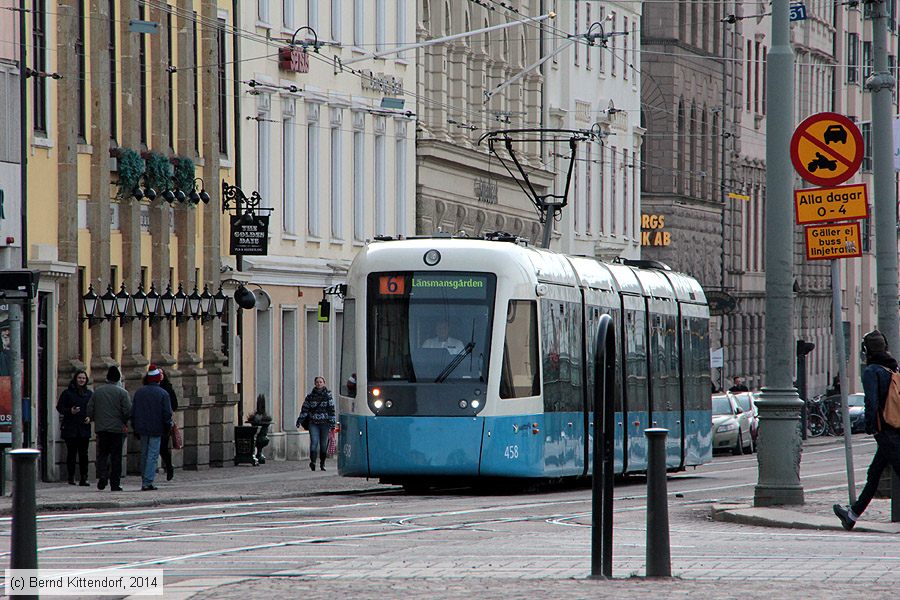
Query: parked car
(747, 402)
(857, 404)
(731, 425)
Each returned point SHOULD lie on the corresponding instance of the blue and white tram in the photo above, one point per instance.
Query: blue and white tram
(472, 358)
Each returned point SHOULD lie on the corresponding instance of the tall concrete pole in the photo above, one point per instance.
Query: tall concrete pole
(779, 405)
(880, 84)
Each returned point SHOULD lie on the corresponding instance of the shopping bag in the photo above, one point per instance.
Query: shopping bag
(177, 437)
(332, 442)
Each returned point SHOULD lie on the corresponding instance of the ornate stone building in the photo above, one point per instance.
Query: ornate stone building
(461, 187)
(141, 84)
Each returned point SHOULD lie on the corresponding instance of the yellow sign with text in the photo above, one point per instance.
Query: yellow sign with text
(823, 205)
(825, 242)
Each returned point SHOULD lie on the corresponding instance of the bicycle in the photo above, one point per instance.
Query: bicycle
(834, 416)
(816, 422)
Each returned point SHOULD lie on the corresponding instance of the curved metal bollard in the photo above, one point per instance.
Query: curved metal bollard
(23, 538)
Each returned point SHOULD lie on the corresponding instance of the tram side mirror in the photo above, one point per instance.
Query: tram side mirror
(324, 315)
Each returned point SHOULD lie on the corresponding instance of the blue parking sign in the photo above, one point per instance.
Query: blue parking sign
(798, 12)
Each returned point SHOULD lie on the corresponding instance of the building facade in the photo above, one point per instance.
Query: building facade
(595, 82)
(131, 101)
(331, 151)
(711, 184)
(462, 186)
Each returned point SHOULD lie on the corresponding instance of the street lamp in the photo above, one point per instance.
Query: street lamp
(144, 192)
(180, 301)
(220, 300)
(123, 299)
(194, 302)
(152, 302)
(89, 303)
(139, 301)
(206, 304)
(168, 302)
(198, 193)
(108, 303)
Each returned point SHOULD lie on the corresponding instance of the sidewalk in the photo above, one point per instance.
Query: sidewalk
(272, 480)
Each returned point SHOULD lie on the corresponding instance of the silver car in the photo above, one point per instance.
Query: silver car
(731, 425)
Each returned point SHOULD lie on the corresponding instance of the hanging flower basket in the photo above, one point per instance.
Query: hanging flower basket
(159, 170)
(184, 173)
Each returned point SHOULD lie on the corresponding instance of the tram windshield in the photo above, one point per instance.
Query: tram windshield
(429, 326)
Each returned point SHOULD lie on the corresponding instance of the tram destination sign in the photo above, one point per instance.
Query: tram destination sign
(249, 238)
(823, 205)
(472, 286)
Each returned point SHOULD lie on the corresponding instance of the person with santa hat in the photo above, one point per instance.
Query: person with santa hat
(151, 416)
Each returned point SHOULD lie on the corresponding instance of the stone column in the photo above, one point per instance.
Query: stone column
(99, 216)
(221, 399)
(134, 363)
(193, 376)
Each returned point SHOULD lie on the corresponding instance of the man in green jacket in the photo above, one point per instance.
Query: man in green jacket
(110, 408)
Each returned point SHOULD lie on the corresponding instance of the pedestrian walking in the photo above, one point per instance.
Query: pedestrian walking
(165, 448)
(76, 425)
(876, 378)
(317, 415)
(151, 416)
(110, 408)
(261, 420)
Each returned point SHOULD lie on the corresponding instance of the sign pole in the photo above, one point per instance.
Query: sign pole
(837, 324)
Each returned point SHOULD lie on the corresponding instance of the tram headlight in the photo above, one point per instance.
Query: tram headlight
(378, 404)
(432, 257)
(475, 404)
(376, 392)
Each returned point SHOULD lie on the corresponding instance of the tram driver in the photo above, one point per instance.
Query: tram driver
(443, 339)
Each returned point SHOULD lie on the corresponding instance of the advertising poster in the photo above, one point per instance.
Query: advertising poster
(5, 374)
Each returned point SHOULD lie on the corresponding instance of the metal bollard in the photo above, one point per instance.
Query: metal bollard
(23, 540)
(659, 561)
(603, 465)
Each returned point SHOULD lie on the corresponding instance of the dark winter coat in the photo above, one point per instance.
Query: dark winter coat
(151, 411)
(109, 408)
(876, 378)
(73, 425)
(167, 385)
(317, 409)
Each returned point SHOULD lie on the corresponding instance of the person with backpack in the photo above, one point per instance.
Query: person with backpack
(881, 384)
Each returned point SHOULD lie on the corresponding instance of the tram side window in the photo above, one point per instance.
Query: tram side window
(520, 377)
(348, 350)
(560, 331)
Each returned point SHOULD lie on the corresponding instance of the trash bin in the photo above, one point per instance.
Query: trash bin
(245, 445)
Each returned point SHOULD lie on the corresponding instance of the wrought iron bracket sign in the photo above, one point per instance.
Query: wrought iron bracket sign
(249, 229)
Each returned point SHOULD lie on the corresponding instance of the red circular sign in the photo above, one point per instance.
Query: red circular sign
(827, 149)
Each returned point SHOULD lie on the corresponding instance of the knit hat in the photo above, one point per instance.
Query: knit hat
(154, 374)
(113, 375)
(874, 342)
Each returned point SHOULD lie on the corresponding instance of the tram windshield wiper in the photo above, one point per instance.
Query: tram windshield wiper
(455, 362)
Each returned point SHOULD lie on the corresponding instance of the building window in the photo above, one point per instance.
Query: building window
(748, 76)
(82, 73)
(612, 44)
(170, 80)
(379, 25)
(337, 195)
(222, 79)
(264, 356)
(756, 57)
(142, 75)
(852, 58)
(312, 179)
(587, 25)
(625, 198)
(601, 54)
(113, 92)
(601, 225)
(867, 60)
(289, 363)
(764, 79)
(866, 130)
(613, 199)
(195, 76)
(625, 49)
(380, 221)
(336, 20)
(400, 171)
(359, 185)
(359, 22)
(576, 28)
(401, 25)
(265, 157)
(312, 13)
(262, 10)
(287, 14)
(289, 167)
(39, 35)
(588, 175)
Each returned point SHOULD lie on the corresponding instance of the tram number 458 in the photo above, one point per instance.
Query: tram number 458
(511, 452)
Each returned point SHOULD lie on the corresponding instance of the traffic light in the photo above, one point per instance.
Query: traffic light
(804, 348)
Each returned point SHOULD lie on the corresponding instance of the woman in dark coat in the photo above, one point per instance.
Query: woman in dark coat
(76, 425)
(164, 450)
(317, 415)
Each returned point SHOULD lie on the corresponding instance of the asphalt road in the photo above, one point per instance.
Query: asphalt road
(453, 543)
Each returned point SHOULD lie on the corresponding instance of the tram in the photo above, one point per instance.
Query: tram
(472, 358)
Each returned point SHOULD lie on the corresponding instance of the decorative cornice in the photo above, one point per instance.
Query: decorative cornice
(53, 269)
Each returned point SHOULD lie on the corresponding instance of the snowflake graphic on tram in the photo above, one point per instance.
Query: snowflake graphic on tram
(473, 358)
